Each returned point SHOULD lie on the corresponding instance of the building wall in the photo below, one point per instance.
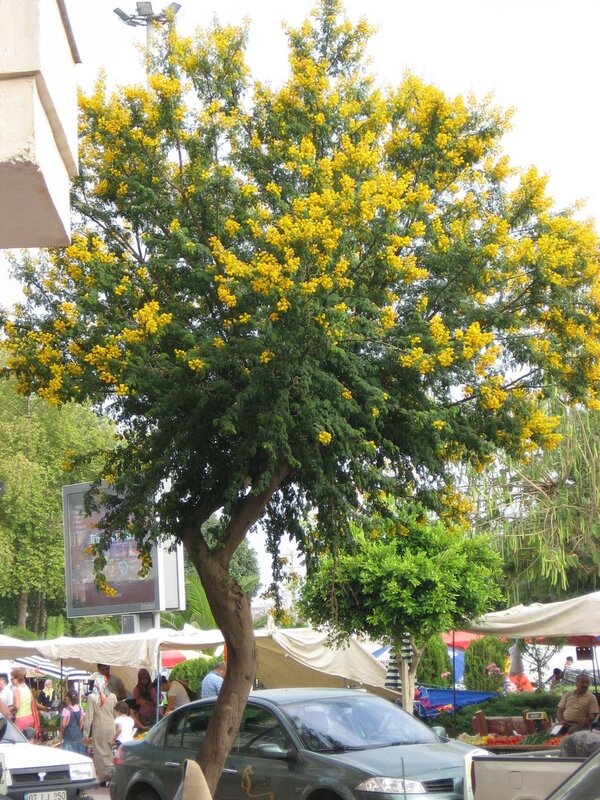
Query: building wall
(38, 122)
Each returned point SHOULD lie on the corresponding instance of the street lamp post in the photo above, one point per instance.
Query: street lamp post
(145, 16)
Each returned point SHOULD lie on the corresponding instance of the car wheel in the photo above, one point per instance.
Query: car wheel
(145, 794)
(324, 794)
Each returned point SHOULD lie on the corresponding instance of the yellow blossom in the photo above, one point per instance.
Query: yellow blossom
(266, 356)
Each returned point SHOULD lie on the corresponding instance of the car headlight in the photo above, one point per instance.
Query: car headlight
(391, 786)
(82, 772)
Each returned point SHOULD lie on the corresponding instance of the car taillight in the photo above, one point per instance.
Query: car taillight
(118, 758)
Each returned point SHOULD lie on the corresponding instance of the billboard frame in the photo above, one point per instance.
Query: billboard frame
(73, 571)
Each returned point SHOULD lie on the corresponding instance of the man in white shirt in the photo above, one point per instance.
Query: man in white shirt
(6, 695)
(177, 696)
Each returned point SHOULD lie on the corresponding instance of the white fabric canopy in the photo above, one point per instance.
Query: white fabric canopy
(291, 657)
(301, 657)
(13, 648)
(579, 616)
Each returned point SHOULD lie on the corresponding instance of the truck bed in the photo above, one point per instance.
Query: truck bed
(516, 776)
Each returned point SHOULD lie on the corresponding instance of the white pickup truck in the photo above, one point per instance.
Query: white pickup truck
(516, 776)
(36, 772)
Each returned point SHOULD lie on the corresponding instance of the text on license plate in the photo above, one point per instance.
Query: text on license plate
(55, 795)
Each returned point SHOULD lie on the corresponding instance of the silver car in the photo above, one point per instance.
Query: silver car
(313, 744)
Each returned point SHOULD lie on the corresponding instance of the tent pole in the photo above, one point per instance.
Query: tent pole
(453, 674)
(594, 659)
(158, 683)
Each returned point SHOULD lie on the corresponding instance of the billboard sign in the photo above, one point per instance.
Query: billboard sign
(134, 594)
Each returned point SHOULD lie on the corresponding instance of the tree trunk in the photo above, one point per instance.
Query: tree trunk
(22, 610)
(231, 610)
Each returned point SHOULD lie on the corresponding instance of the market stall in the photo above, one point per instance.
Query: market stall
(578, 617)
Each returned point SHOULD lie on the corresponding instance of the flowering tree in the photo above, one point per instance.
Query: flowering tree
(292, 298)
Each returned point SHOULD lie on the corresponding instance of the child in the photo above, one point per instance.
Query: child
(124, 724)
(71, 724)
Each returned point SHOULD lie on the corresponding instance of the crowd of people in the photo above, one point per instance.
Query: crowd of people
(110, 717)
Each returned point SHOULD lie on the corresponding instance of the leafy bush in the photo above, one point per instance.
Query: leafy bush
(435, 663)
(505, 705)
(193, 670)
(484, 665)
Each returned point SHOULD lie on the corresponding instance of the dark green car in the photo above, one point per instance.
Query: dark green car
(309, 744)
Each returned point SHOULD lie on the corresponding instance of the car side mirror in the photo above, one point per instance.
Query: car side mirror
(275, 751)
(3, 726)
(439, 730)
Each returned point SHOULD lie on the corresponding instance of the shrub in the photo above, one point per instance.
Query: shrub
(435, 663)
(505, 705)
(484, 665)
(193, 670)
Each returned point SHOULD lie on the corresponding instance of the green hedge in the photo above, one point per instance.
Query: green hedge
(434, 663)
(506, 705)
(484, 664)
(193, 670)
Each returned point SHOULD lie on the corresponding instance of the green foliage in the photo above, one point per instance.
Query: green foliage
(435, 667)
(193, 670)
(505, 705)
(42, 448)
(485, 664)
(97, 626)
(416, 575)
(317, 290)
(544, 512)
(55, 627)
(20, 633)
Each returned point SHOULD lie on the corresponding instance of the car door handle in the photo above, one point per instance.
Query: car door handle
(172, 764)
(230, 771)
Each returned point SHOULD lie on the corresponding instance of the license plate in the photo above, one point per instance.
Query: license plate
(54, 795)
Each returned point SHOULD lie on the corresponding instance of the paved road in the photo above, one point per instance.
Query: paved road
(99, 793)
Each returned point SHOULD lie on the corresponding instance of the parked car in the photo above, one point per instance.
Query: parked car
(32, 772)
(341, 744)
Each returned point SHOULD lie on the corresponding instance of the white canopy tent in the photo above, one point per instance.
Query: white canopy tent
(579, 616)
(14, 648)
(290, 657)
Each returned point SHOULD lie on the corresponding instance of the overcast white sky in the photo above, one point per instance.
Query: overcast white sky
(540, 57)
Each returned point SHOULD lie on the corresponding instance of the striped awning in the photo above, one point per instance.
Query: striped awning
(42, 666)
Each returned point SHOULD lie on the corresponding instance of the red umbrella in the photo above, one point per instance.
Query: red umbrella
(460, 639)
(169, 658)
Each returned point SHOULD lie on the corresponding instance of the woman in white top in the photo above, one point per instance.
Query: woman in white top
(100, 720)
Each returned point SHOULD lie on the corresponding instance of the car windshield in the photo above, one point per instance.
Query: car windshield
(9, 733)
(355, 723)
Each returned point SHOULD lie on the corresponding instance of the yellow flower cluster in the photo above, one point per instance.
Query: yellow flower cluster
(266, 356)
(491, 395)
(325, 437)
(148, 318)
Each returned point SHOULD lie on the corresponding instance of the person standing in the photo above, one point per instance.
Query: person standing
(71, 724)
(113, 682)
(177, 695)
(23, 703)
(124, 724)
(144, 694)
(579, 708)
(45, 700)
(100, 721)
(213, 680)
(6, 697)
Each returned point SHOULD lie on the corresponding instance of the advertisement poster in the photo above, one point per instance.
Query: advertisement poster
(133, 594)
